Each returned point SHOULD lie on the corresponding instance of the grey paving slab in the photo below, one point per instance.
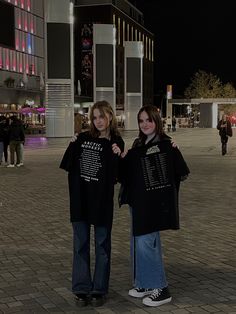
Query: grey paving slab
(36, 236)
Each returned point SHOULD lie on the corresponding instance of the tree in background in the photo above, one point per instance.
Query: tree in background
(208, 85)
(229, 91)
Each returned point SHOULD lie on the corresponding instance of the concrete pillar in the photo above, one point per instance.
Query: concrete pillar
(169, 105)
(104, 63)
(169, 108)
(133, 83)
(59, 71)
(208, 115)
(214, 115)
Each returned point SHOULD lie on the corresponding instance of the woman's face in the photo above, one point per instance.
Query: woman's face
(101, 122)
(147, 126)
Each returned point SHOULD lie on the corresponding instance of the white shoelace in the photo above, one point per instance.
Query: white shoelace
(155, 293)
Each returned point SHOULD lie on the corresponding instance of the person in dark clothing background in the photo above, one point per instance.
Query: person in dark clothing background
(92, 164)
(174, 124)
(16, 140)
(2, 122)
(6, 139)
(151, 175)
(225, 130)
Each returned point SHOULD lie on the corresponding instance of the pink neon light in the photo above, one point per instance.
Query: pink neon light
(28, 5)
(14, 64)
(33, 69)
(7, 60)
(17, 42)
(31, 27)
(22, 4)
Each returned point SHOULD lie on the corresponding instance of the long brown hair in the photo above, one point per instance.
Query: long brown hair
(104, 108)
(153, 115)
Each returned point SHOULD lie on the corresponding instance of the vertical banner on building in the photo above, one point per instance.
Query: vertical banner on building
(86, 75)
(169, 91)
(168, 104)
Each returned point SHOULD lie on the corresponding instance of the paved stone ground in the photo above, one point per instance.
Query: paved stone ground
(36, 237)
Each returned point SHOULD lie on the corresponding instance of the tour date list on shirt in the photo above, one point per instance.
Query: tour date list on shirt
(90, 161)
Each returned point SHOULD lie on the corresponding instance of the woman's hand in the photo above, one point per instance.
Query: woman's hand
(116, 149)
(174, 144)
(124, 154)
(74, 137)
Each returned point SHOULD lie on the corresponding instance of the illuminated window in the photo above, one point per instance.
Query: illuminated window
(29, 43)
(18, 19)
(28, 5)
(26, 63)
(114, 19)
(127, 32)
(31, 23)
(17, 40)
(6, 59)
(26, 21)
(13, 61)
(132, 33)
(23, 43)
(20, 62)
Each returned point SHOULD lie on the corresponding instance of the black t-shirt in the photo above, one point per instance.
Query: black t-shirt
(153, 173)
(92, 168)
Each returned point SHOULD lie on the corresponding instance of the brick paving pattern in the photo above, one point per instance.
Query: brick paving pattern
(36, 235)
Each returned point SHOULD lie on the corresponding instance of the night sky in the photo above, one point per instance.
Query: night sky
(191, 35)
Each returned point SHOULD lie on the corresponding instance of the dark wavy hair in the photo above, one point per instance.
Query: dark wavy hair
(153, 115)
(103, 107)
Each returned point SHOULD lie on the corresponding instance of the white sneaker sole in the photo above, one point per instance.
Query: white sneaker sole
(148, 302)
(140, 295)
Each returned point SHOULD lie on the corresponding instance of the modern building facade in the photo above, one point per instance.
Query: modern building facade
(60, 53)
(129, 27)
(21, 54)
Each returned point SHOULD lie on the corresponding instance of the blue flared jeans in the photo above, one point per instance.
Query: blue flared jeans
(148, 266)
(82, 279)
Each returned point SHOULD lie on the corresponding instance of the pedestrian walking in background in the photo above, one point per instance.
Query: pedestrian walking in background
(92, 165)
(2, 122)
(16, 139)
(151, 175)
(6, 139)
(169, 123)
(173, 124)
(225, 131)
